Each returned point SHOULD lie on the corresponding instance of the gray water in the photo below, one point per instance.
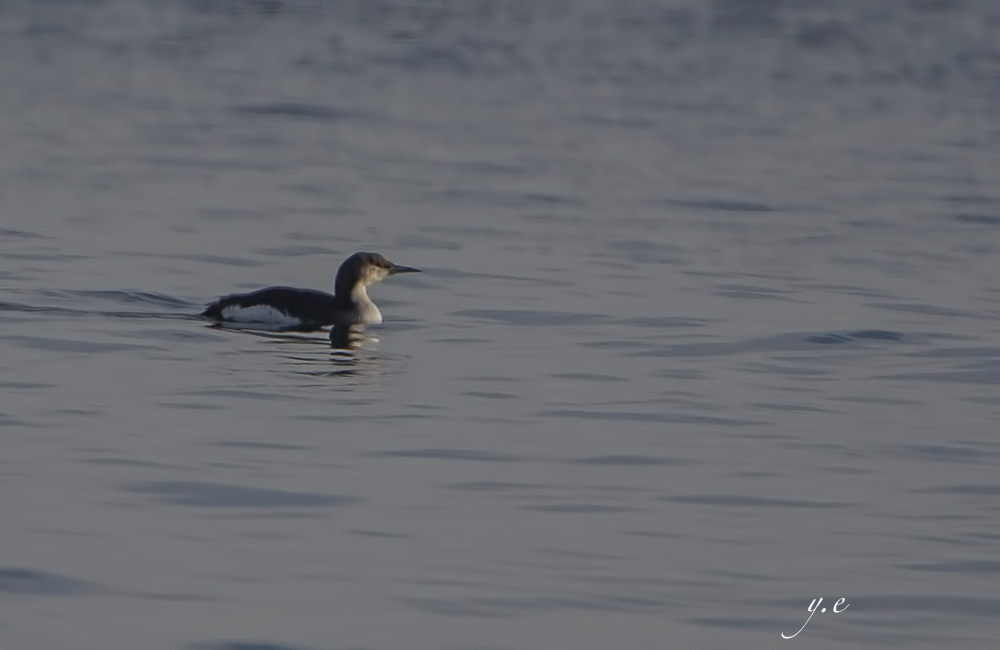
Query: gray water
(707, 327)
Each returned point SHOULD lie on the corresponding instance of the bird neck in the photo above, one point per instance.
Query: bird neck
(351, 296)
(359, 295)
(366, 310)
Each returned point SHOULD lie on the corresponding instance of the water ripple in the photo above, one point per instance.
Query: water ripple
(742, 500)
(72, 346)
(629, 416)
(630, 461)
(243, 645)
(299, 111)
(958, 566)
(529, 317)
(203, 494)
(16, 580)
(447, 454)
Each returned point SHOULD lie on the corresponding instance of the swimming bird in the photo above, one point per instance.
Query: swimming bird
(289, 307)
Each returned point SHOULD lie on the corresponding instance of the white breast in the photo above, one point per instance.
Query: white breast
(370, 315)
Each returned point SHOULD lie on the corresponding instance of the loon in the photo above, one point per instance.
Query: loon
(288, 307)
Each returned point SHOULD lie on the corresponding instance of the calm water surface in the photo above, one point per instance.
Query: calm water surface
(707, 326)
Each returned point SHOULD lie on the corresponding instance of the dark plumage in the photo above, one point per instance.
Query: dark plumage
(308, 306)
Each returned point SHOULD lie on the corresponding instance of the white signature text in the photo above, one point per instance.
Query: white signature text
(813, 606)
